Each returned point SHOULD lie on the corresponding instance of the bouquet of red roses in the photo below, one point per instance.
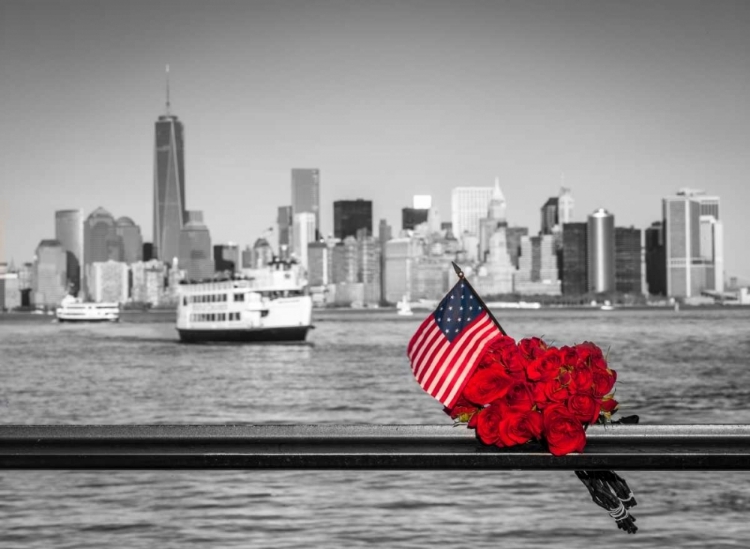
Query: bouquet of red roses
(533, 391)
(513, 393)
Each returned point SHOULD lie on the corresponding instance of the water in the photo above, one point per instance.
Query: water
(686, 367)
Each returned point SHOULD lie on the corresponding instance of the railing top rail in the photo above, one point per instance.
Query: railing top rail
(633, 447)
(359, 432)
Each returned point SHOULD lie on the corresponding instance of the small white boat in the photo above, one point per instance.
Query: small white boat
(607, 306)
(72, 309)
(404, 309)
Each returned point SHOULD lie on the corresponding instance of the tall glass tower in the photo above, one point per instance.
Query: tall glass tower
(306, 193)
(169, 184)
(69, 232)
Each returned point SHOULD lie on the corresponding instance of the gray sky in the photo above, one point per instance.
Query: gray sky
(631, 100)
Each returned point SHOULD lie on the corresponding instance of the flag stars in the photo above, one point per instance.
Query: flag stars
(450, 308)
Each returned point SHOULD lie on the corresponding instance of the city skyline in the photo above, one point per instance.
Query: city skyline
(630, 102)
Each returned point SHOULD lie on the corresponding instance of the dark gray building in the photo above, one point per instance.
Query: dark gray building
(628, 260)
(351, 216)
(656, 259)
(574, 272)
(411, 217)
(169, 186)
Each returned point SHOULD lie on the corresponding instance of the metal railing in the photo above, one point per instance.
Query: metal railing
(619, 447)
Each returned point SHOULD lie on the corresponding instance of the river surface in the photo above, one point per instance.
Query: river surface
(673, 367)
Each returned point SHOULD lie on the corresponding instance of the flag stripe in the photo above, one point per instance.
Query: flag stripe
(426, 353)
(429, 375)
(460, 381)
(419, 334)
(457, 361)
(452, 361)
(424, 339)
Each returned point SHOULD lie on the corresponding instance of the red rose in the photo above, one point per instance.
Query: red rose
(582, 378)
(545, 367)
(553, 391)
(597, 363)
(519, 428)
(604, 380)
(589, 350)
(515, 365)
(532, 347)
(584, 407)
(609, 405)
(488, 422)
(494, 352)
(519, 397)
(570, 356)
(562, 431)
(488, 385)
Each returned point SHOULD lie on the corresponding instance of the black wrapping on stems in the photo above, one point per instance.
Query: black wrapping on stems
(610, 491)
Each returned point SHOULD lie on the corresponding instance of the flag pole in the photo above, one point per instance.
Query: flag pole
(461, 276)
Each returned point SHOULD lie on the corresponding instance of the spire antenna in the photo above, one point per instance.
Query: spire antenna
(167, 76)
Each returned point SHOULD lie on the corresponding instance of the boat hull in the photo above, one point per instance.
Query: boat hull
(239, 335)
(86, 320)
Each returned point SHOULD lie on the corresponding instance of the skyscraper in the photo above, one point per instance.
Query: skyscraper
(411, 217)
(69, 232)
(132, 242)
(601, 251)
(100, 241)
(285, 221)
(304, 232)
(565, 205)
(195, 248)
(688, 273)
(575, 248)
(550, 217)
(468, 206)
(349, 216)
(628, 260)
(656, 259)
(169, 184)
(491, 222)
(306, 194)
(50, 278)
(711, 236)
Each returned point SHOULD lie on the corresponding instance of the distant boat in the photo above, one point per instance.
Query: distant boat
(404, 309)
(72, 309)
(607, 306)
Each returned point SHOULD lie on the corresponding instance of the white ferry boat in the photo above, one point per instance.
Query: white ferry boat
(72, 309)
(265, 305)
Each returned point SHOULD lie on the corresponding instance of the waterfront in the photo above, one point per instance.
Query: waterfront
(686, 367)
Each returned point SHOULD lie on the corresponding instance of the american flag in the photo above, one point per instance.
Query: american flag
(447, 346)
